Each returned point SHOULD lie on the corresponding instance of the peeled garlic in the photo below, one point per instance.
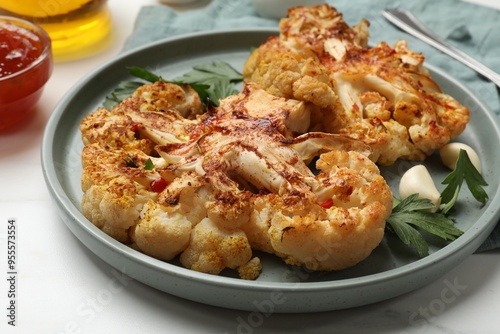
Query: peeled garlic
(417, 180)
(449, 155)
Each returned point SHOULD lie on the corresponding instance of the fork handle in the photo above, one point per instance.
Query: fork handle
(409, 23)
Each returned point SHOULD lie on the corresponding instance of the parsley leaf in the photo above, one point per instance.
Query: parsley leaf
(464, 170)
(144, 74)
(218, 77)
(216, 89)
(409, 214)
(149, 165)
(207, 72)
(212, 82)
(413, 212)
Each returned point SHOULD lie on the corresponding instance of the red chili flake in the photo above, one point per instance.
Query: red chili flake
(327, 204)
(355, 106)
(195, 134)
(135, 130)
(158, 185)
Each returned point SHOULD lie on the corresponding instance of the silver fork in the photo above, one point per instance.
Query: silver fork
(409, 23)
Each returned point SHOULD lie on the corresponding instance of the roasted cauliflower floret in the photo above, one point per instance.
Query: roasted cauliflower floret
(163, 96)
(292, 116)
(259, 223)
(212, 249)
(430, 117)
(114, 193)
(321, 29)
(116, 206)
(383, 95)
(290, 75)
(114, 130)
(188, 192)
(342, 239)
(343, 225)
(160, 233)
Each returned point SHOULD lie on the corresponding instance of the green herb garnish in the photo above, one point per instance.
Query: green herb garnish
(212, 82)
(215, 70)
(217, 79)
(149, 165)
(412, 213)
(144, 74)
(463, 171)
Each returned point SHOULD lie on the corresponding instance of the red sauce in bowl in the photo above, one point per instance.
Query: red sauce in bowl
(25, 66)
(19, 48)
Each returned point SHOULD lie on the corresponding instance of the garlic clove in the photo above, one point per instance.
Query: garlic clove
(449, 155)
(417, 180)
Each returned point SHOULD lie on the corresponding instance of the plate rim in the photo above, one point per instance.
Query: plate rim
(67, 208)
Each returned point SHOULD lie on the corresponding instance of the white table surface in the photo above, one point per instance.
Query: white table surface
(65, 288)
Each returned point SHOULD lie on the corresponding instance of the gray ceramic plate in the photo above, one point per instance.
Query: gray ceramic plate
(391, 270)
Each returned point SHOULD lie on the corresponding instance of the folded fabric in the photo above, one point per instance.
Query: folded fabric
(472, 28)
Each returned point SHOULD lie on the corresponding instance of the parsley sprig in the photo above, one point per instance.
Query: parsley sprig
(218, 77)
(464, 171)
(213, 82)
(412, 214)
(149, 165)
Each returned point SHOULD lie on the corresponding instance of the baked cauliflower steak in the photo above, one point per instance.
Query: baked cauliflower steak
(381, 95)
(211, 189)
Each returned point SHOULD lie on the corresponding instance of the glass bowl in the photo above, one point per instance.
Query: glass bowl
(25, 66)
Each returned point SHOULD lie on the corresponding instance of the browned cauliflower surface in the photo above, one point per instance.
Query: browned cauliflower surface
(233, 180)
(382, 95)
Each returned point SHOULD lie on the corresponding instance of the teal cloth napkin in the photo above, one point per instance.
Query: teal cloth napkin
(472, 28)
